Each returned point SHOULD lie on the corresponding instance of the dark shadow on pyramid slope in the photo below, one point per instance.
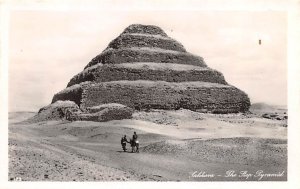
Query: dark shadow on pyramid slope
(143, 68)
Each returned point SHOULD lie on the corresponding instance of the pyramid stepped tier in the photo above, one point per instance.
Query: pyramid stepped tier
(146, 40)
(142, 95)
(146, 54)
(142, 43)
(143, 68)
(148, 71)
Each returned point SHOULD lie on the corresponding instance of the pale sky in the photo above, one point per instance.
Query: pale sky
(47, 48)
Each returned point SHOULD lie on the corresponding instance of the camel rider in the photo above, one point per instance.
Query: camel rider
(134, 137)
(123, 142)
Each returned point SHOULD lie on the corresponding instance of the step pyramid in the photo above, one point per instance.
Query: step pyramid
(143, 68)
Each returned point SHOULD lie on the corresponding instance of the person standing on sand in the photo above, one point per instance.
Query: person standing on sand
(135, 142)
(134, 137)
(123, 142)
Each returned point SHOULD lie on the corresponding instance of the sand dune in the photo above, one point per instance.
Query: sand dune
(174, 144)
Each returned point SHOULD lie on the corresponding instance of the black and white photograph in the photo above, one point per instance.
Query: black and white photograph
(148, 95)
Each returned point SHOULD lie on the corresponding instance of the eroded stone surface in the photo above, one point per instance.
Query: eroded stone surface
(138, 40)
(55, 111)
(144, 68)
(146, 54)
(145, 29)
(148, 71)
(69, 110)
(104, 112)
(141, 95)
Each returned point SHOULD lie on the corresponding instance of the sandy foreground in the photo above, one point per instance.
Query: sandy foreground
(174, 146)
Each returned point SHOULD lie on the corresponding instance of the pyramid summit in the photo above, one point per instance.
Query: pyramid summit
(144, 43)
(143, 68)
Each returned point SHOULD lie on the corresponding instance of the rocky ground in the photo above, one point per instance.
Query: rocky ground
(174, 145)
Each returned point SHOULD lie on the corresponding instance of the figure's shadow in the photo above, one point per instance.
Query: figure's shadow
(128, 151)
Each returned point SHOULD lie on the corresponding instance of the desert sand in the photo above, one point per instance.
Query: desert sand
(179, 145)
